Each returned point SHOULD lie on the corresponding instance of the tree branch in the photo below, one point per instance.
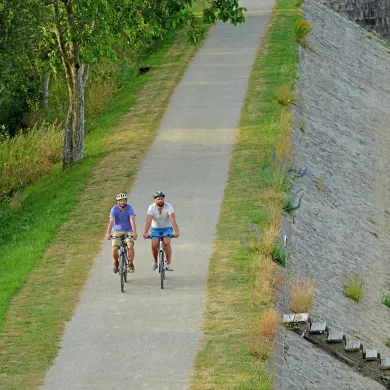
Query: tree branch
(59, 33)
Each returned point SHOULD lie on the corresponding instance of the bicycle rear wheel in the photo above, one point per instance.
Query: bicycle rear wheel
(161, 267)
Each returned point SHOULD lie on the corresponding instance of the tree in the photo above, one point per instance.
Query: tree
(20, 64)
(83, 31)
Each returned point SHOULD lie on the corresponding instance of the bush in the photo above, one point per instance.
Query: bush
(386, 300)
(285, 94)
(279, 255)
(302, 29)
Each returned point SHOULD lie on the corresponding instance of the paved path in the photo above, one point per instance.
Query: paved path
(147, 338)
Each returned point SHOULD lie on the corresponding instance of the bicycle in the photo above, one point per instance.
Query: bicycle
(123, 260)
(161, 258)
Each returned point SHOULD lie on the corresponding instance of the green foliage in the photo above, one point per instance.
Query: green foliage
(386, 300)
(278, 254)
(388, 343)
(285, 94)
(21, 64)
(354, 286)
(302, 29)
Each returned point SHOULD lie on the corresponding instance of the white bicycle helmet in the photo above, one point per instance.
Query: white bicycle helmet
(157, 194)
(121, 196)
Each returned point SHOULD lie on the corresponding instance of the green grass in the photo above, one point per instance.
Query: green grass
(237, 291)
(354, 287)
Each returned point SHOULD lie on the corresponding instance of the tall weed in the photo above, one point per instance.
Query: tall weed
(28, 155)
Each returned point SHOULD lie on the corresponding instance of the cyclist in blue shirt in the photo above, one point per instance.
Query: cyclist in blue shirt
(122, 222)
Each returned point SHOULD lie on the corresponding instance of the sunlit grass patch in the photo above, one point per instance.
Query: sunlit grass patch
(354, 287)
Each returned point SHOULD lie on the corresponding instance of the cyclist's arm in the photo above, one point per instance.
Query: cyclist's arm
(174, 224)
(109, 227)
(147, 225)
(134, 228)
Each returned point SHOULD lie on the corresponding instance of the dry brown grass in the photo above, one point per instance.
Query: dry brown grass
(301, 294)
(284, 144)
(259, 347)
(268, 323)
(265, 279)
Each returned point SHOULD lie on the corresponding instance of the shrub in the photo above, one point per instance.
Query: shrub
(354, 286)
(301, 294)
(279, 255)
(302, 29)
(386, 300)
(321, 186)
(388, 343)
(285, 94)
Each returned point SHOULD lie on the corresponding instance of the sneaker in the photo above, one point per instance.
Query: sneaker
(131, 268)
(115, 267)
(169, 267)
(155, 266)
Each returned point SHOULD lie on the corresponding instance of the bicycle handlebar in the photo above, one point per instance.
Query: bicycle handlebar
(159, 238)
(123, 236)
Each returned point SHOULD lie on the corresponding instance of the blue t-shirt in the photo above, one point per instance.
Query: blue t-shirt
(122, 220)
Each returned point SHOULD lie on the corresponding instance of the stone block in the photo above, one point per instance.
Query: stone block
(301, 317)
(318, 327)
(385, 363)
(335, 336)
(371, 354)
(288, 318)
(352, 345)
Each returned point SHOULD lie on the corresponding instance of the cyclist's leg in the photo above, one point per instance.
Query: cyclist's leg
(155, 235)
(130, 255)
(116, 242)
(115, 256)
(168, 249)
(167, 244)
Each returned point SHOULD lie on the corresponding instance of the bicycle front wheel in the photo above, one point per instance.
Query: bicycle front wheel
(122, 270)
(162, 268)
(126, 264)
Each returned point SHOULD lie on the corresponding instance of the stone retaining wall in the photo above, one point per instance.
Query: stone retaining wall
(374, 15)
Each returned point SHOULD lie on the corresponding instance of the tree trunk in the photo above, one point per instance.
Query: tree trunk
(81, 79)
(45, 92)
(74, 128)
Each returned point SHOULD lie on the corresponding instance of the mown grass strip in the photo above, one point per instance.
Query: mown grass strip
(68, 210)
(238, 291)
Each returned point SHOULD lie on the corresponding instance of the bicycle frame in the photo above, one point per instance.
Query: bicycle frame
(161, 257)
(123, 260)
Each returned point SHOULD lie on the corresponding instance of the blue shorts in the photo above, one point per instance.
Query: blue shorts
(161, 232)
